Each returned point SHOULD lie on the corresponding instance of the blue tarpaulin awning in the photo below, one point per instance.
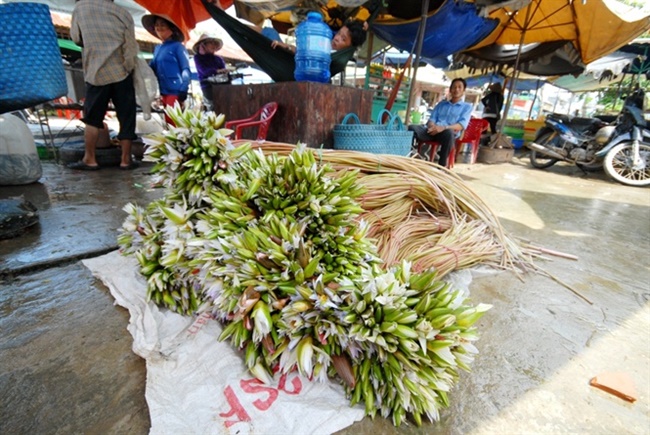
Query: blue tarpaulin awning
(442, 36)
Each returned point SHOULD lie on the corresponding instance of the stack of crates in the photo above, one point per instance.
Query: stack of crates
(530, 130)
(514, 128)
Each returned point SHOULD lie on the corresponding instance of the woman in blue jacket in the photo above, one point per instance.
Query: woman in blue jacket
(170, 62)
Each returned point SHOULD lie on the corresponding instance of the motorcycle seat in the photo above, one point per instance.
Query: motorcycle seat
(586, 125)
(576, 121)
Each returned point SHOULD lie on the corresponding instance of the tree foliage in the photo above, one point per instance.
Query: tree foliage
(611, 98)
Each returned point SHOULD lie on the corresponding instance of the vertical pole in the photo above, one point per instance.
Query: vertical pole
(530, 112)
(502, 123)
(418, 52)
(366, 82)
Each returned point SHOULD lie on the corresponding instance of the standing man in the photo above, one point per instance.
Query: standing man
(446, 121)
(106, 33)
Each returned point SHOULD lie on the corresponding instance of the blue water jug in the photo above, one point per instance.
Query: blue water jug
(313, 47)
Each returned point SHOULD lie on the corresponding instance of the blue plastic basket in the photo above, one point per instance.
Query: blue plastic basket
(368, 138)
(399, 140)
(32, 68)
(356, 124)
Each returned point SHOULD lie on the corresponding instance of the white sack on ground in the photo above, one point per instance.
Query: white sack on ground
(196, 384)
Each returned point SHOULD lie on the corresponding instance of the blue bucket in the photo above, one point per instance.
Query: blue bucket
(518, 143)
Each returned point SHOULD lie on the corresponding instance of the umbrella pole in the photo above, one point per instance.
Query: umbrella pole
(511, 90)
(530, 112)
(502, 123)
(418, 52)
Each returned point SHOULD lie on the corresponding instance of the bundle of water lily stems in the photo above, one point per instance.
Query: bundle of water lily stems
(423, 213)
(325, 262)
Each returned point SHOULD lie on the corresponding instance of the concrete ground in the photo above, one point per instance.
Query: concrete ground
(66, 364)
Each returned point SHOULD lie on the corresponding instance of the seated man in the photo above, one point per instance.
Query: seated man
(446, 121)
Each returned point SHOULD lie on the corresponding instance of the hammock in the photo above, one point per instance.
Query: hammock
(279, 64)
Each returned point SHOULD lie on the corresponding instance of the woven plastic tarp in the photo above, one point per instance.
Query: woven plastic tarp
(32, 68)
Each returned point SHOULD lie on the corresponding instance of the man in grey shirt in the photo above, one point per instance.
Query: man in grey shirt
(107, 34)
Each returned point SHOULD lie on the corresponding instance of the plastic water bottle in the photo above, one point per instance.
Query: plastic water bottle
(313, 47)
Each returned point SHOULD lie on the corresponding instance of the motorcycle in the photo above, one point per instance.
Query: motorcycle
(627, 154)
(570, 139)
(242, 74)
(225, 78)
(588, 142)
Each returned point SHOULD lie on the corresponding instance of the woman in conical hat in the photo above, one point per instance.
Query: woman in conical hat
(205, 40)
(208, 63)
(170, 62)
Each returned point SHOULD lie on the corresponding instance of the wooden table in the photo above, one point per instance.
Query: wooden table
(307, 111)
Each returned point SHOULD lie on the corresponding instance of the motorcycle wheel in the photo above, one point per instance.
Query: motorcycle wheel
(618, 164)
(539, 160)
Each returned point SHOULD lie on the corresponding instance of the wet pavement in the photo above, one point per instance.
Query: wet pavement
(66, 364)
(79, 214)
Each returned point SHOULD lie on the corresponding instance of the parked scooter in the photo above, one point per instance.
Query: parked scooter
(571, 139)
(587, 142)
(627, 153)
(237, 77)
(225, 78)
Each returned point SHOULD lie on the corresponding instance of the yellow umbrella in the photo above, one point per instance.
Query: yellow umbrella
(593, 26)
(580, 31)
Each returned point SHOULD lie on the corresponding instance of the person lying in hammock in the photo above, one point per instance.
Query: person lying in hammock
(280, 65)
(352, 34)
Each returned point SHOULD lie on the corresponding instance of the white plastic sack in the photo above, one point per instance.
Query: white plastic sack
(146, 86)
(197, 384)
(19, 161)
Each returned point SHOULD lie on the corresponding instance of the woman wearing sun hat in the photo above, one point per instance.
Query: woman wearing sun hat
(170, 62)
(208, 63)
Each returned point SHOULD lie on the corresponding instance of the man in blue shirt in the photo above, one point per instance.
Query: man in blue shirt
(446, 121)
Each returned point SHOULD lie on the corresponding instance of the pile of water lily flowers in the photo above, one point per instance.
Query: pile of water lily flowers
(273, 247)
